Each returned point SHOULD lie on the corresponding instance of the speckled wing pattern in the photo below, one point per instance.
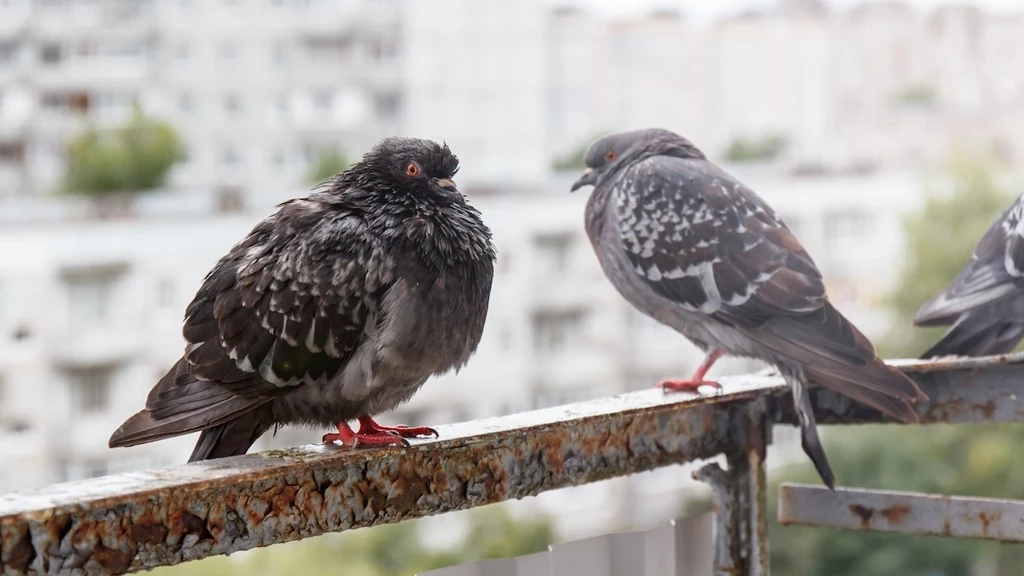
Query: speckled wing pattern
(995, 271)
(280, 310)
(705, 241)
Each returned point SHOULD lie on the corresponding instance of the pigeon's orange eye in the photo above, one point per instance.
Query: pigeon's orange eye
(412, 169)
(611, 156)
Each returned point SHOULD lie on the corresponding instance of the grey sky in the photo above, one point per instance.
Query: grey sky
(707, 10)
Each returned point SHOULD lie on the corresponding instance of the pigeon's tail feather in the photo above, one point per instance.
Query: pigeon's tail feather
(143, 428)
(809, 439)
(232, 438)
(979, 333)
(877, 385)
(180, 404)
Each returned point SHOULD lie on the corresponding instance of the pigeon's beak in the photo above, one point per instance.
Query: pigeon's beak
(446, 184)
(588, 177)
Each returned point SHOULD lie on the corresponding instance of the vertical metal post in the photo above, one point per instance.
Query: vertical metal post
(740, 498)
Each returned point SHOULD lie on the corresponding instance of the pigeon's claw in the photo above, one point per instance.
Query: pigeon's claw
(347, 437)
(368, 426)
(688, 385)
(694, 382)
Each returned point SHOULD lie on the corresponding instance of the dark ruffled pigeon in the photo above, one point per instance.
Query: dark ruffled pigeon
(337, 307)
(689, 245)
(984, 306)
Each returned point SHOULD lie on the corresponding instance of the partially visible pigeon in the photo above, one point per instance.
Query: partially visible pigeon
(337, 307)
(689, 245)
(985, 304)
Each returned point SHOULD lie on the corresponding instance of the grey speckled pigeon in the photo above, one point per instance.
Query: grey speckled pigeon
(984, 305)
(338, 306)
(689, 245)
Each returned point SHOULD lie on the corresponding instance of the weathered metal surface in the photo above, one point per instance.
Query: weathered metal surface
(141, 520)
(740, 497)
(727, 559)
(904, 512)
(754, 481)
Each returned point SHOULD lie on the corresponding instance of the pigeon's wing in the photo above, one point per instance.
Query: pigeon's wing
(703, 240)
(281, 309)
(995, 271)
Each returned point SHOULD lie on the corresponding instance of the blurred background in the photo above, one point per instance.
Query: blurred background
(140, 139)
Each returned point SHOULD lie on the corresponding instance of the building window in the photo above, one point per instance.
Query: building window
(8, 52)
(186, 102)
(51, 54)
(277, 156)
(280, 55)
(165, 293)
(387, 105)
(229, 50)
(89, 298)
(232, 103)
(554, 252)
(555, 331)
(183, 51)
(86, 468)
(90, 389)
(548, 396)
(229, 155)
(12, 152)
(322, 100)
(848, 224)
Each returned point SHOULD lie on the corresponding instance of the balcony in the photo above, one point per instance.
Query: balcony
(138, 521)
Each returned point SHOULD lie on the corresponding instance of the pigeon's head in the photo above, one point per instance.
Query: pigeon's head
(413, 168)
(606, 154)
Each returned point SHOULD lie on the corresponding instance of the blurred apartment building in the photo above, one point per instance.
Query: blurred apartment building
(90, 311)
(879, 84)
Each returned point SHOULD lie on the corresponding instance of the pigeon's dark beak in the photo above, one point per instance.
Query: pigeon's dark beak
(588, 177)
(446, 184)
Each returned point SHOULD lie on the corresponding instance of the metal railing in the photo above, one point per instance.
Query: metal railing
(137, 521)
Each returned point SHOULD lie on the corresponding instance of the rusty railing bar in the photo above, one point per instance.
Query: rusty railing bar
(903, 512)
(142, 520)
(137, 521)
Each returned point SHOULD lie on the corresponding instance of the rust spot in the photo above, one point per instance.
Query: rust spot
(148, 532)
(864, 513)
(408, 491)
(183, 522)
(988, 409)
(20, 553)
(114, 561)
(987, 520)
(283, 499)
(896, 514)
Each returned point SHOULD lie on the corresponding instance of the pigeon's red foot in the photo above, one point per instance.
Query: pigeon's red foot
(372, 434)
(352, 439)
(690, 385)
(694, 382)
(368, 426)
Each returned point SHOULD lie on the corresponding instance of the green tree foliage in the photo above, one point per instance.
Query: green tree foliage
(763, 149)
(327, 165)
(940, 240)
(392, 550)
(130, 159)
(975, 460)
